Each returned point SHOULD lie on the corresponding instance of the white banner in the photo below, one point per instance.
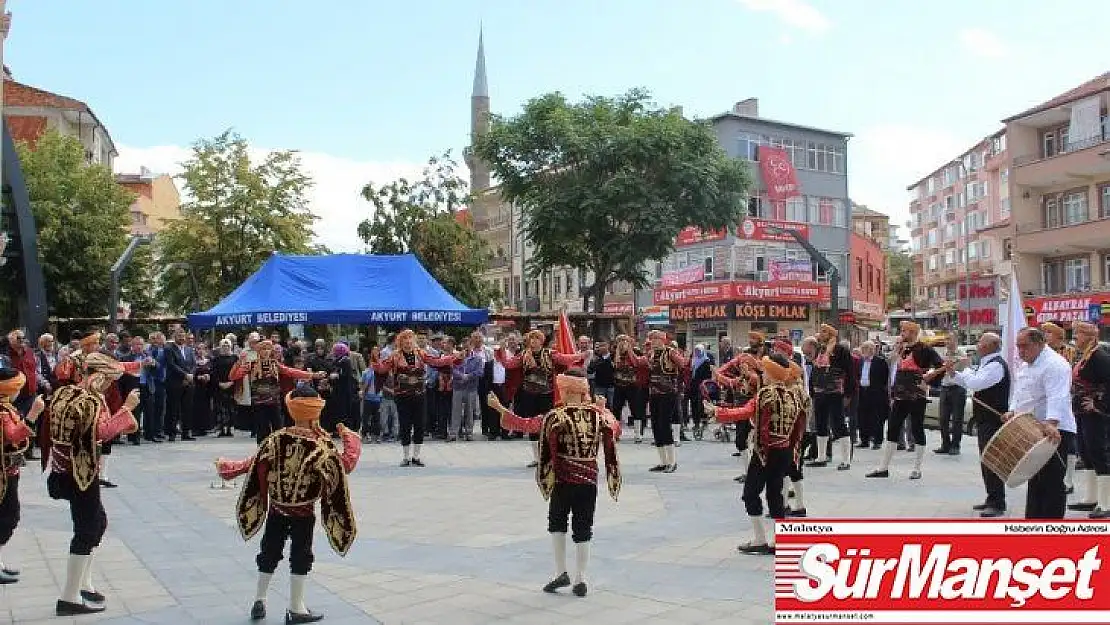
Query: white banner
(1015, 321)
(1085, 120)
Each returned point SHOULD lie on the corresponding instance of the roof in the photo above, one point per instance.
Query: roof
(20, 94)
(859, 210)
(1098, 84)
(958, 157)
(731, 115)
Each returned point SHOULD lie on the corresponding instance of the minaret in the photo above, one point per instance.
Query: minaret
(479, 118)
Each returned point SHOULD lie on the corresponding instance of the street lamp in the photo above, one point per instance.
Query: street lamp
(823, 263)
(117, 273)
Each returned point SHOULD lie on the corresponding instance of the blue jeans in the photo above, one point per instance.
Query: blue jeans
(153, 395)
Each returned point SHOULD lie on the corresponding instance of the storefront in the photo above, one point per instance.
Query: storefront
(1064, 309)
(707, 322)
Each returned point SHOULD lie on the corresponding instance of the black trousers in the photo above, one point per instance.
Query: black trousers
(1094, 443)
(577, 503)
(491, 420)
(442, 412)
(1046, 497)
(828, 413)
(266, 419)
(298, 530)
(953, 400)
(743, 429)
(996, 490)
(9, 510)
(767, 477)
(371, 418)
(85, 510)
(533, 405)
(631, 396)
(410, 416)
(915, 410)
(873, 408)
(663, 410)
(179, 409)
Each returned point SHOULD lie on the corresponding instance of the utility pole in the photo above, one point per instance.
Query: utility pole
(823, 263)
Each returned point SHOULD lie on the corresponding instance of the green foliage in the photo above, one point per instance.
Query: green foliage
(82, 217)
(421, 217)
(606, 184)
(899, 272)
(238, 214)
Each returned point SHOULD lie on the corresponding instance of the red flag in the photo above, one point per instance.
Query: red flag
(564, 344)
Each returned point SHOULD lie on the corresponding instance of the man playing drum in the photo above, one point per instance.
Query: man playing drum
(1044, 391)
(990, 385)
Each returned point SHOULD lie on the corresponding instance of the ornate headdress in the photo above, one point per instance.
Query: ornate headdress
(103, 364)
(90, 341)
(572, 384)
(304, 410)
(779, 373)
(756, 336)
(784, 347)
(1051, 329)
(11, 382)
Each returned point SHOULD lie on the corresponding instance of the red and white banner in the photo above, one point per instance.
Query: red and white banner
(941, 572)
(756, 230)
(618, 308)
(797, 270)
(788, 292)
(691, 235)
(778, 174)
(689, 275)
(1067, 308)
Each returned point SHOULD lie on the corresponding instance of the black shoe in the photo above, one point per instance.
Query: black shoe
(406, 463)
(579, 589)
(1099, 513)
(740, 478)
(559, 582)
(817, 464)
(5, 578)
(901, 447)
(800, 512)
(659, 468)
(258, 611)
(671, 468)
(107, 484)
(93, 596)
(65, 608)
(979, 507)
(757, 550)
(188, 438)
(294, 618)
(878, 474)
(10, 572)
(863, 445)
(737, 454)
(416, 462)
(991, 513)
(955, 451)
(135, 442)
(532, 465)
(1082, 507)
(876, 447)
(1069, 491)
(941, 451)
(843, 466)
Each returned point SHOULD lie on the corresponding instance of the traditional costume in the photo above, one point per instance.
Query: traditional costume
(293, 469)
(664, 364)
(1090, 392)
(265, 372)
(628, 388)
(778, 414)
(570, 438)
(409, 364)
(77, 422)
(15, 438)
(915, 360)
(739, 379)
(833, 375)
(539, 365)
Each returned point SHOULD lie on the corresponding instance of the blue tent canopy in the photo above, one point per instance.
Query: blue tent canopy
(339, 288)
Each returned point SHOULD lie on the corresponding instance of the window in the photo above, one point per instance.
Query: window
(1104, 201)
(749, 146)
(972, 252)
(1004, 177)
(931, 185)
(1048, 144)
(949, 257)
(1004, 208)
(1064, 276)
(840, 215)
(1007, 249)
(949, 175)
(950, 232)
(796, 209)
(1106, 269)
(755, 206)
(1074, 208)
(950, 292)
(558, 286)
(859, 272)
(932, 237)
(985, 249)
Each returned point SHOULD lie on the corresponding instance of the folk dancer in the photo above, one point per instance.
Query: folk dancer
(628, 389)
(408, 365)
(1057, 340)
(264, 371)
(795, 488)
(15, 438)
(570, 437)
(740, 377)
(539, 365)
(1044, 389)
(778, 413)
(293, 469)
(1090, 390)
(990, 388)
(76, 423)
(833, 374)
(665, 364)
(916, 361)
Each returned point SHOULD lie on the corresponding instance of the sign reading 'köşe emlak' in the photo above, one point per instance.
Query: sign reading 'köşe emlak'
(743, 311)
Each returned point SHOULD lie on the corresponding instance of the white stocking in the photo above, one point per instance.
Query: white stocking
(822, 449)
(888, 454)
(582, 560)
(86, 577)
(559, 546)
(1103, 482)
(75, 571)
(799, 497)
(408, 451)
(672, 456)
(662, 455)
(296, 594)
(263, 586)
(918, 457)
(1089, 481)
(759, 533)
(416, 452)
(535, 451)
(845, 446)
(1069, 474)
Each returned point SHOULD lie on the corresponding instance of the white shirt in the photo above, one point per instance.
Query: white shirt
(1044, 389)
(499, 369)
(987, 375)
(865, 373)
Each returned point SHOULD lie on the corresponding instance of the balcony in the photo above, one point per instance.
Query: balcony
(498, 262)
(1080, 238)
(1079, 163)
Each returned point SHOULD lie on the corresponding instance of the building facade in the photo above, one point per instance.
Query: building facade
(30, 111)
(874, 225)
(959, 214)
(157, 200)
(1060, 176)
(867, 278)
(757, 277)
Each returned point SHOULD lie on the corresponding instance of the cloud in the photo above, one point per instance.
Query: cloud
(796, 13)
(983, 43)
(334, 197)
(885, 159)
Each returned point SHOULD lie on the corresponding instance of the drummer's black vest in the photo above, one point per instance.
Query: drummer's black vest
(997, 397)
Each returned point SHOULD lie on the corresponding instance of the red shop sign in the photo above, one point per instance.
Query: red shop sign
(756, 230)
(783, 291)
(691, 236)
(1066, 308)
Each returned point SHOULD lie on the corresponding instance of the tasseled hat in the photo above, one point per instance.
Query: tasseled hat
(11, 382)
(756, 336)
(570, 383)
(1052, 329)
(1081, 326)
(784, 347)
(304, 410)
(912, 326)
(778, 368)
(103, 364)
(90, 340)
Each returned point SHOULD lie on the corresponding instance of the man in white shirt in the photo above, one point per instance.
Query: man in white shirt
(990, 385)
(1044, 389)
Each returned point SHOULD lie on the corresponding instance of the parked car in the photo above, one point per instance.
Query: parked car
(932, 408)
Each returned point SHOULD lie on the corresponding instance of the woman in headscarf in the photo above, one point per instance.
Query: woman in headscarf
(341, 404)
(222, 387)
(701, 369)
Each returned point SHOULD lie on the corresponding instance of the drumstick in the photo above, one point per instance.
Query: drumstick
(984, 404)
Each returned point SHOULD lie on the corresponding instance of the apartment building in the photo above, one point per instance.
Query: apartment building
(756, 277)
(502, 226)
(1060, 177)
(157, 200)
(874, 225)
(958, 218)
(30, 111)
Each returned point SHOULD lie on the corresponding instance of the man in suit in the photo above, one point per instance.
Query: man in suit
(181, 363)
(873, 374)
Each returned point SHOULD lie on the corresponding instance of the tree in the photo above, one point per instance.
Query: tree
(424, 217)
(899, 271)
(239, 212)
(607, 184)
(82, 217)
